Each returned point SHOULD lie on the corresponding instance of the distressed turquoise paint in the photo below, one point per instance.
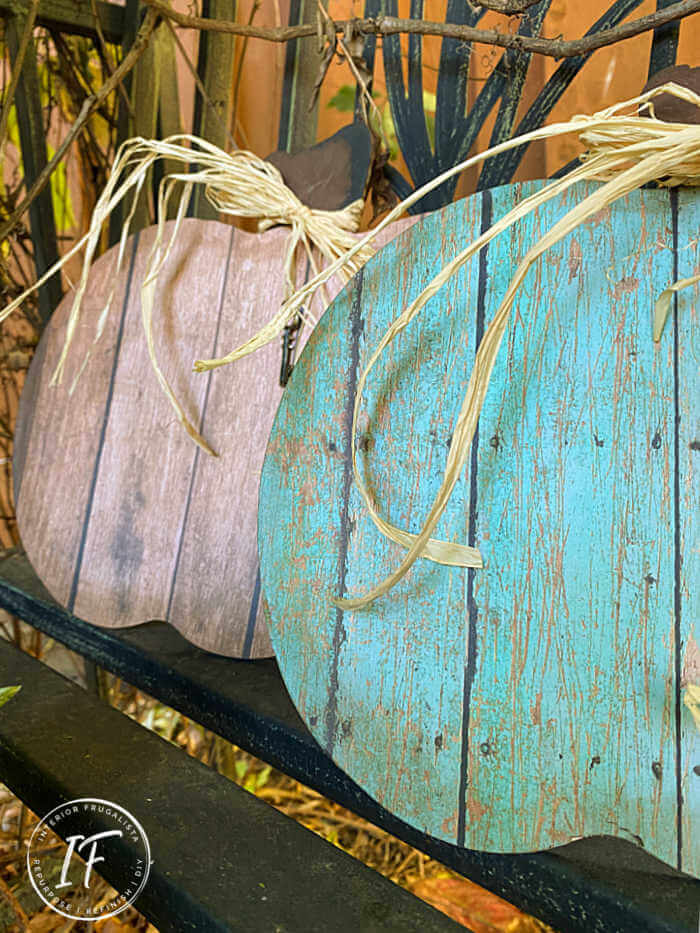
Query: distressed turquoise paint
(349, 702)
(574, 688)
(402, 736)
(689, 517)
(574, 651)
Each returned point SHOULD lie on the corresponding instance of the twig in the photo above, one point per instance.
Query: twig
(359, 78)
(390, 25)
(89, 106)
(239, 67)
(104, 54)
(505, 6)
(200, 86)
(17, 71)
(14, 904)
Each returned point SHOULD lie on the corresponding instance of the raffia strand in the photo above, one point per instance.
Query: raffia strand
(691, 699)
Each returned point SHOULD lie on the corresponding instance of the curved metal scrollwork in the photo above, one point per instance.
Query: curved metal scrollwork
(456, 128)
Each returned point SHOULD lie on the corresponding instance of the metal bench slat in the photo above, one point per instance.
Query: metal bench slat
(223, 860)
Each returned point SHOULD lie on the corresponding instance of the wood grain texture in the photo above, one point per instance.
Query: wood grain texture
(687, 351)
(123, 518)
(534, 701)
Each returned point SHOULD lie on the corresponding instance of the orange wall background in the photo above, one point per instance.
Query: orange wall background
(613, 73)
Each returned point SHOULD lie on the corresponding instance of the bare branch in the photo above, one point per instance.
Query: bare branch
(90, 105)
(511, 7)
(390, 25)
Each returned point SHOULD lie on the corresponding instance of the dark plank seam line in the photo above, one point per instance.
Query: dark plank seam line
(677, 538)
(252, 616)
(103, 433)
(255, 601)
(472, 610)
(183, 526)
(339, 635)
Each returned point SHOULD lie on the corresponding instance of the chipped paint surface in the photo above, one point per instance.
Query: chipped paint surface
(537, 700)
(688, 571)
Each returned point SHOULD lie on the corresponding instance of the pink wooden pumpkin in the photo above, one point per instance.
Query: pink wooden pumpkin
(124, 519)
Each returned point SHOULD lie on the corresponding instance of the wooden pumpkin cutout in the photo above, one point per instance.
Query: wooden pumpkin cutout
(122, 517)
(539, 699)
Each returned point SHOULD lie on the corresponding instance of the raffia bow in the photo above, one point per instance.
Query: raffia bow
(623, 150)
(240, 184)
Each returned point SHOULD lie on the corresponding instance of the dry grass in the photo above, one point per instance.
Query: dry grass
(20, 907)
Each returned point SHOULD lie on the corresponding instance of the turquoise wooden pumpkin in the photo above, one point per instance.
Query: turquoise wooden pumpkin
(539, 699)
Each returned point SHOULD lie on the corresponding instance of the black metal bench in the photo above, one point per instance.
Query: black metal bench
(224, 860)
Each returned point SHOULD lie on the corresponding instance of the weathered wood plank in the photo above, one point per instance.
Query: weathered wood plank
(73, 16)
(539, 691)
(409, 437)
(215, 576)
(143, 471)
(361, 680)
(119, 569)
(688, 518)
(41, 421)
